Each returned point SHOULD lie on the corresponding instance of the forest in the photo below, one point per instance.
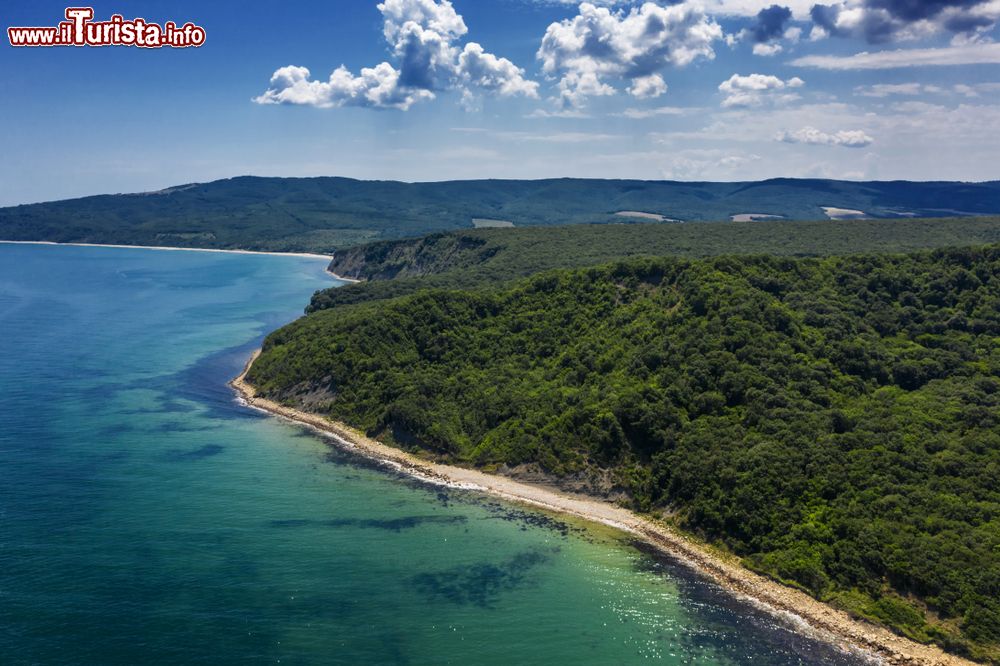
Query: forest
(490, 257)
(834, 422)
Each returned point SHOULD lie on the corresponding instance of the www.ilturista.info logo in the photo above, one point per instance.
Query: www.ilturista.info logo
(79, 29)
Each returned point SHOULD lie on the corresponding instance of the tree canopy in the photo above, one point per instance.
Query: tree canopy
(833, 422)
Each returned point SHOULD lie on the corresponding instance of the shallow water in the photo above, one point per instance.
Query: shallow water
(146, 517)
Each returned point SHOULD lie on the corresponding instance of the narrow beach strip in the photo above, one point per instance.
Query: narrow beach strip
(307, 255)
(826, 622)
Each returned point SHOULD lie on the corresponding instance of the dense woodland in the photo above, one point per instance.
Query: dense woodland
(834, 422)
(491, 257)
(323, 214)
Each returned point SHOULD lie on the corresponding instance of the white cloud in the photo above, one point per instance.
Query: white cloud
(376, 87)
(485, 71)
(813, 136)
(600, 44)
(423, 35)
(755, 89)
(647, 87)
(439, 17)
(763, 49)
(575, 87)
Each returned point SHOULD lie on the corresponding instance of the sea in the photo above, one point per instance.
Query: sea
(148, 517)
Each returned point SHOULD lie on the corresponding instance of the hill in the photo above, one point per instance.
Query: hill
(831, 421)
(322, 214)
(491, 257)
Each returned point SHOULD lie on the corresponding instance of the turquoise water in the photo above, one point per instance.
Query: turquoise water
(146, 517)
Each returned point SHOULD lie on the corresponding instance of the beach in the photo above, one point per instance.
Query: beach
(307, 255)
(825, 621)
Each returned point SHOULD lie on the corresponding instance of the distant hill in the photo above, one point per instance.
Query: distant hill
(321, 214)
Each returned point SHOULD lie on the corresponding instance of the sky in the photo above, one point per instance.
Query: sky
(422, 90)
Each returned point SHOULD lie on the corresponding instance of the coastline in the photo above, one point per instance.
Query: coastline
(307, 255)
(828, 623)
(341, 277)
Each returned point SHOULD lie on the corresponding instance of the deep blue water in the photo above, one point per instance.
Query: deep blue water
(147, 518)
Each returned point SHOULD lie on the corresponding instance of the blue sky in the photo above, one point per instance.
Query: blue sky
(430, 90)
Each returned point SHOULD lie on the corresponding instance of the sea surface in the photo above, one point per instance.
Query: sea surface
(148, 518)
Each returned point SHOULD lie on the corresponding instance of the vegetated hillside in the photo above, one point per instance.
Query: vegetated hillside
(489, 257)
(835, 422)
(321, 214)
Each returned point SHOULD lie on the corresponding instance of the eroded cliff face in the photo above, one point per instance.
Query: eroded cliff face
(411, 257)
(349, 263)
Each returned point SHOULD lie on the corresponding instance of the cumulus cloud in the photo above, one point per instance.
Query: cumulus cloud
(646, 87)
(767, 49)
(439, 17)
(600, 44)
(423, 36)
(375, 87)
(884, 20)
(422, 33)
(484, 71)
(755, 89)
(813, 136)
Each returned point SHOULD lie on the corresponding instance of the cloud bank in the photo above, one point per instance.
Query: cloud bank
(815, 137)
(880, 21)
(969, 54)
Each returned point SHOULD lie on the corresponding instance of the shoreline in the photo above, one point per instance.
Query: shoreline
(828, 623)
(342, 278)
(166, 248)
